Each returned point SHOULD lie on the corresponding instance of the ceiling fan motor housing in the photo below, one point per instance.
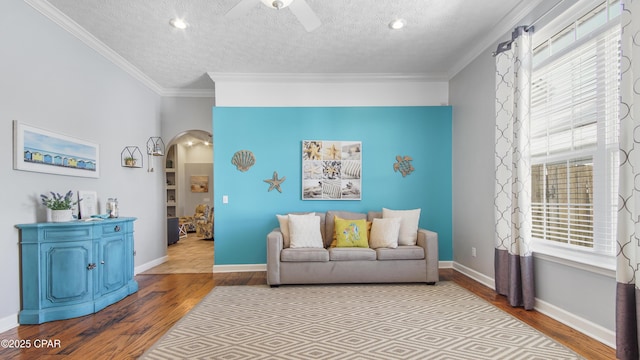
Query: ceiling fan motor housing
(277, 4)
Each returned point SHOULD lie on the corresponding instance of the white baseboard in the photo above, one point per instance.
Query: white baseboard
(600, 333)
(8, 323)
(239, 268)
(445, 264)
(591, 329)
(475, 275)
(144, 267)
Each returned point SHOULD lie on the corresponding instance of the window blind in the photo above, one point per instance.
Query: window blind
(574, 136)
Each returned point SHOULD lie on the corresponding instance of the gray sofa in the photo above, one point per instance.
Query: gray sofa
(406, 263)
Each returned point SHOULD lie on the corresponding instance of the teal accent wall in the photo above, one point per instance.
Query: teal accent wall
(275, 135)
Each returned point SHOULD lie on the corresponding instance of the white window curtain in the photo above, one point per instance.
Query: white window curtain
(628, 241)
(513, 255)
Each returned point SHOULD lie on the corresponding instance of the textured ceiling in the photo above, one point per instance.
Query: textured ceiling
(354, 37)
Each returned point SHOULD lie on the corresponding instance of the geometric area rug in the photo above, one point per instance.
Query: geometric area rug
(390, 321)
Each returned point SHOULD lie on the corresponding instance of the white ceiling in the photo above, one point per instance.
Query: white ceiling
(440, 38)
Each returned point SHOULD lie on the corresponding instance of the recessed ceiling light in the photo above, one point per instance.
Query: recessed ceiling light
(178, 23)
(397, 24)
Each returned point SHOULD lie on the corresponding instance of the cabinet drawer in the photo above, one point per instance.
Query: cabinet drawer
(64, 233)
(116, 227)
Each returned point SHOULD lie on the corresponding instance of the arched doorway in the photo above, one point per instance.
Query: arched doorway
(188, 174)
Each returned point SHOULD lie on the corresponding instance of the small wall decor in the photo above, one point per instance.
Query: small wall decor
(403, 164)
(275, 182)
(47, 152)
(331, 170)
(199, 183)
(155, 146)
(131, 156)
(243, 160)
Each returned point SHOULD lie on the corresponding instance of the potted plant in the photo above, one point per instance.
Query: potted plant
(130, 161)
(59, 205)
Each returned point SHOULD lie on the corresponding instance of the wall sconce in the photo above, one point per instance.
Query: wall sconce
(155, 147)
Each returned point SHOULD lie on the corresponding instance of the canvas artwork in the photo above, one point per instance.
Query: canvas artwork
(199, 183)
(48, 152)
(331, 170)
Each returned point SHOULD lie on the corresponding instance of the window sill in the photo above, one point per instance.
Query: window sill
(576, 258)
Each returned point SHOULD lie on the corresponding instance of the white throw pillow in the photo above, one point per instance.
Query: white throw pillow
(384, 233)
(284, 228)
(408, 226)
(304, 231)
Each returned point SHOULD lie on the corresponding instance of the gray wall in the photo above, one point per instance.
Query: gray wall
(472, 97)
(566, 291)
(180, 114)
(53, 81)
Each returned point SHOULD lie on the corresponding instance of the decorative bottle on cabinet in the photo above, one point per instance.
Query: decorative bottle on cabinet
(74, 269)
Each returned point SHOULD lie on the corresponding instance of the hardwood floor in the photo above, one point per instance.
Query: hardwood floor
(192, 254)
(126, 329)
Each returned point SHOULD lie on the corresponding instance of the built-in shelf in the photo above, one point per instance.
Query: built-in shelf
(171, 181)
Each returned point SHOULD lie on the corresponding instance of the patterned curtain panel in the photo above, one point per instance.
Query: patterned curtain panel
(513, 255)
(628, 247)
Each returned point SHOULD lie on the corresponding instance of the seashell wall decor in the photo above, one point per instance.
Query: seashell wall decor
(243, 160)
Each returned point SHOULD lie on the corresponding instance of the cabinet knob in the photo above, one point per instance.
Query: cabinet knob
(91, 266)
(102, 262)
(117, 228)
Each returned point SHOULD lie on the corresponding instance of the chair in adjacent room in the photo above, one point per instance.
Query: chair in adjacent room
(189, 223)
(204, 227)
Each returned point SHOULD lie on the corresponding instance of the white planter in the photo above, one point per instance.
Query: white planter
(61, 215)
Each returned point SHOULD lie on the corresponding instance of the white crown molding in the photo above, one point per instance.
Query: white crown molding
(203, 93)
(55, 15)
(325, 78)
(504, 26)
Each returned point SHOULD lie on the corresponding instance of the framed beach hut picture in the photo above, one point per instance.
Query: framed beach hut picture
(44, 151)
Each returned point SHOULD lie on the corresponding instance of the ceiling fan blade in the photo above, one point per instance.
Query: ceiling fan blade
(305, 15)
(241, 8)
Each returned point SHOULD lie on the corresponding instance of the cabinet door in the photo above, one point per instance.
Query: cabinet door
(112, 263)
(67, 273)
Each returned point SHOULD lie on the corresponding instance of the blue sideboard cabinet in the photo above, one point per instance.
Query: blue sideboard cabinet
(74, 268)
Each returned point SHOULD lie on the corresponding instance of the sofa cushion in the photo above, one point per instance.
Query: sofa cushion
(402, 252)
(304, 231)
(408, 225)
(374, 215)
(283, 220)
(330, 222)
(350, 254)
(384, 233)
(351, 233)
(304, 254)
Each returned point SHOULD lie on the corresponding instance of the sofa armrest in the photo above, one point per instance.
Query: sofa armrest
(275, 242)
(428, 240)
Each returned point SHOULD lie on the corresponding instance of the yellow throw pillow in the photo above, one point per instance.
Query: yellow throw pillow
(351, 233)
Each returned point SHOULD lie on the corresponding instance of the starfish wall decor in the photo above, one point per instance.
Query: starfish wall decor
(275, 182)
